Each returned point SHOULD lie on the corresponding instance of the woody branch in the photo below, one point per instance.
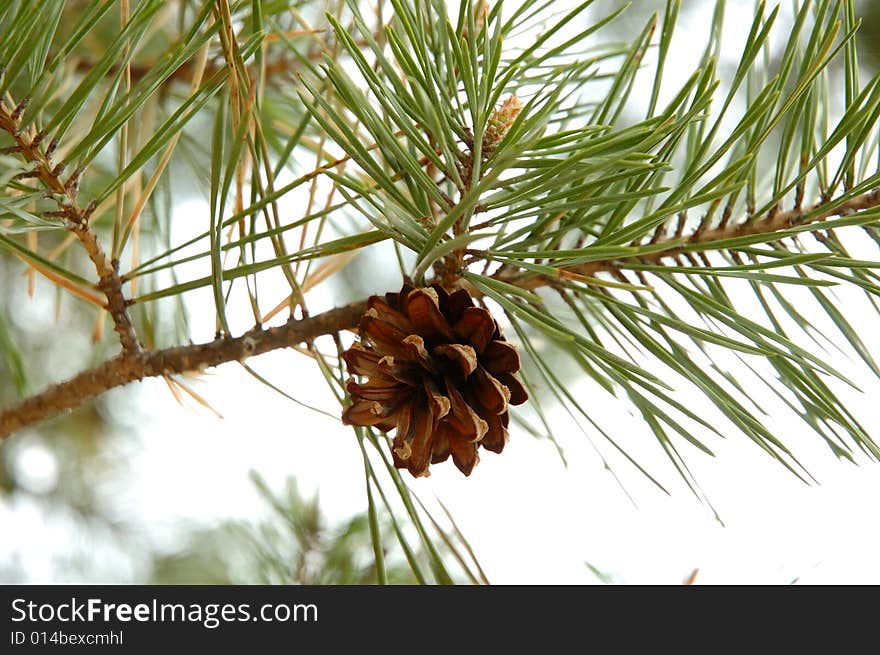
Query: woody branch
(28, 144)
(131, 366)
(772, 222)
(128, 367)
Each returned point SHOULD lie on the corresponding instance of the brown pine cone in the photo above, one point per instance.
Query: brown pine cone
(437, 369)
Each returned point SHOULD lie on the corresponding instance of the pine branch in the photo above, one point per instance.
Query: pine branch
(130, 366)
(772, 222)
(572, 193)
(75, 218)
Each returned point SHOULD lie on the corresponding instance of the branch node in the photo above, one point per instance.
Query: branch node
(19, 110)
(72, 184)
(38, 139)
(725, 216)
(679, 227)
(26, 175)
(249, 345)
(53, 145)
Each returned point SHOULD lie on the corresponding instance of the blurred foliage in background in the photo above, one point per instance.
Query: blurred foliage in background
(294, 546)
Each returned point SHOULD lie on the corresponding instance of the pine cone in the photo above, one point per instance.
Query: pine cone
(437, 369)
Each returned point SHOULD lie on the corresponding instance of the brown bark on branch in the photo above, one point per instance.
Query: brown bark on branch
(76, 219)
(768, 224)
(128, 367)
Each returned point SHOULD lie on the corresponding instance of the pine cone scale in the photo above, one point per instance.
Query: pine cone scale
(364, 412)
(464, 420)
(477, 327)
(386, 338)
(439, 404)
(386, 312)
(464, 455)
(464, 357)
(441, 449)
(496, 432)
(422, 442)
(402, 373)
(423, 309)
(518, 393)
(490, 393)
(501, 357)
